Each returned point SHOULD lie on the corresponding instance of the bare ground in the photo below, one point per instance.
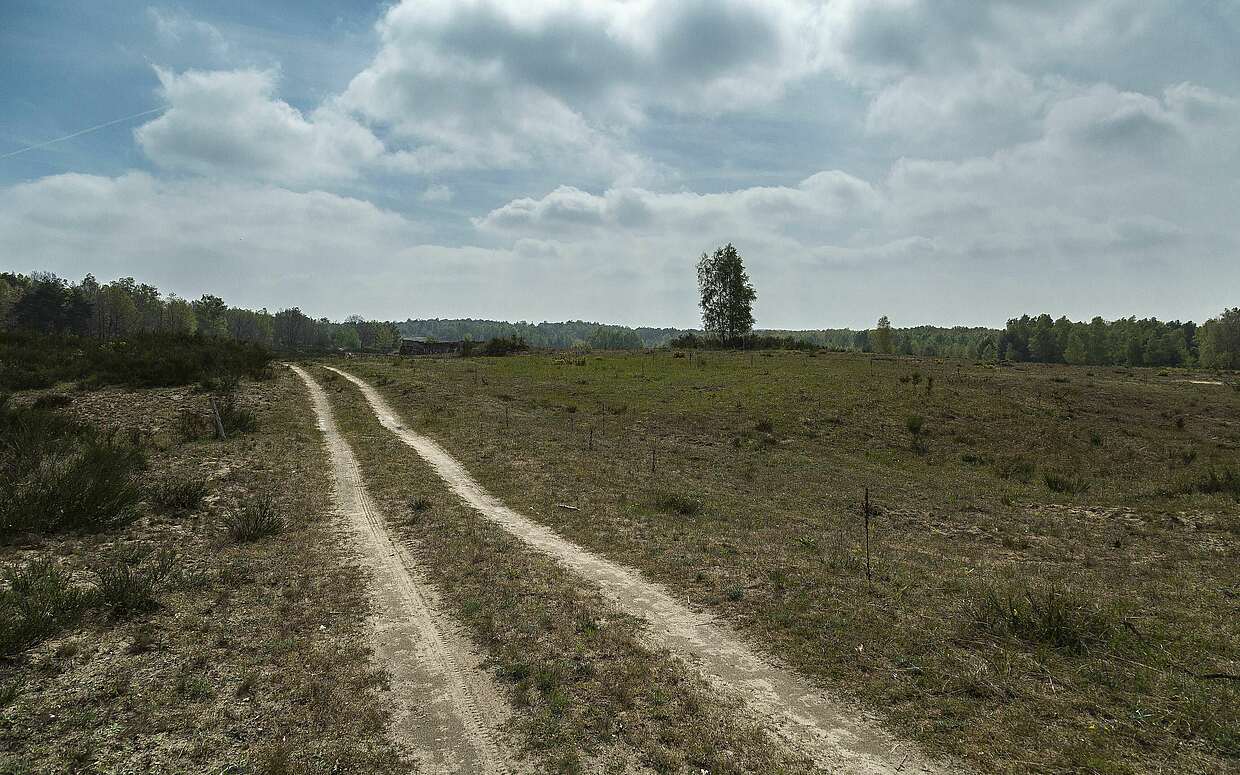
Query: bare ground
(835, 737)
(446, 710)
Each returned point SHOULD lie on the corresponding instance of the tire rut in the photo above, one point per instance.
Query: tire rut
(446, 710)
(836, 738)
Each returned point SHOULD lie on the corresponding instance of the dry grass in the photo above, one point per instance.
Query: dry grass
(217, 657)
(1056, 476)
(586, 692)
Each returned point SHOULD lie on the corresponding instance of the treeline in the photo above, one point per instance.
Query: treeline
(45, 304)
(558, 336)
(1123, 342)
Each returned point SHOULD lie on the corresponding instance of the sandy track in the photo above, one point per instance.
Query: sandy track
(839, 740)
(446, 710)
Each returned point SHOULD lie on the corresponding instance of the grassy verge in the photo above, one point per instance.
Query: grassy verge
(1049, 558)
(586, 692)
(174, 648)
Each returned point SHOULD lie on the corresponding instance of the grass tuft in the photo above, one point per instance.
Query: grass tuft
(1069, 484)
(1048, 615)
(257, 519)
(179, 495)
(676, 503)
(37, 601)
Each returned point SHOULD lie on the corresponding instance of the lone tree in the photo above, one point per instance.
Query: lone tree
(727, 295)
(882, 335)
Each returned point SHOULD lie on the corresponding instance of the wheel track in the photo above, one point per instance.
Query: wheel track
(446, 710)
(837, 739)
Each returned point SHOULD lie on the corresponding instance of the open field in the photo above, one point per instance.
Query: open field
(203, 635)
(1053, 550)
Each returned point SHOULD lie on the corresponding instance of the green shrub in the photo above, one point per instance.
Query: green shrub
(1048, 615)
(37, 601)
(52, 401)
(1216, 481)
(1016, 467)
(57, 475)
(676, 503)
(29, 360)
(179, 495)
(257, 519)
(127, 584)
(1070, 484)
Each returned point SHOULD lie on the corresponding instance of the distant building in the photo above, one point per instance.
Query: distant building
(420, 345)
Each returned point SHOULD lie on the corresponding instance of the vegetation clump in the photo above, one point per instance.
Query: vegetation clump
(179, 495)
(257, 519)
(670, 502)
(1066, 483)
(58, 475)
(127, 584)
(1047, 615)
(37, 601)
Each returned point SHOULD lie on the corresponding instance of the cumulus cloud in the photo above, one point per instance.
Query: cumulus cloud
(230, 123)
(502, 83)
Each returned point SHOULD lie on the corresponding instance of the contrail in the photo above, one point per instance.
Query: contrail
(81, 132)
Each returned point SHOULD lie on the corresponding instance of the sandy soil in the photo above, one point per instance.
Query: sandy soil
(446, 710)
(839, 739)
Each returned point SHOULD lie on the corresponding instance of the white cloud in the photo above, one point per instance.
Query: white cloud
(502, 83)
(231, 124)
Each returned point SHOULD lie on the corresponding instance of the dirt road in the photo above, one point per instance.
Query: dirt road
(445, 709)
(838, 739)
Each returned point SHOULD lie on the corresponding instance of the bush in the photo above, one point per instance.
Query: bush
(52, 401)
(915, 425)
(1016, 467)
(37, 602)
(1048, 615)
(676, 503)
(128, 583)
(1212, 481)
(1071, 484)
(179, 495)
(256, 520)
(29, 360)
(57, 475)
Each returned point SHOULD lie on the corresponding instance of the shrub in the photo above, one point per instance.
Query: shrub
(1216, 481)
(676, 503)
(192, 425)
(57, 475)
(32, 360)
(764, 425)
(1016, 467)
(1071, 484)
(915, 425)
(1048, 615)
(127, 584)
(257, 519)
(37, 601)
(236, 419)
(419, 504)
(179, 495)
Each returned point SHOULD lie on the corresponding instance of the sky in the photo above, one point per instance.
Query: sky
(943, 162)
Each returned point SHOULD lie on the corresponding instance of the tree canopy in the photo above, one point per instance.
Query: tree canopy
(727, 296)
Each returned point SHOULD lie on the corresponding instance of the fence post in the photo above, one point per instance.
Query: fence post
(219, 424)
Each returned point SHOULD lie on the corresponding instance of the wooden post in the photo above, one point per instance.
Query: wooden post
(865, 510)
(219, 424)
(652, 457)
(505, 415)
(591, 443)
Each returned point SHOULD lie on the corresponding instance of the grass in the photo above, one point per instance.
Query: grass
(582, 684)
(257, 519)
(1047, 615)
(57, 474)
(127, 584)
(780, 551)
(37, 601)
(285, 619)
(179, 495)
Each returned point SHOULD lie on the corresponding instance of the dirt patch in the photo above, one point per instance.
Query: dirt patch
(445, 709)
